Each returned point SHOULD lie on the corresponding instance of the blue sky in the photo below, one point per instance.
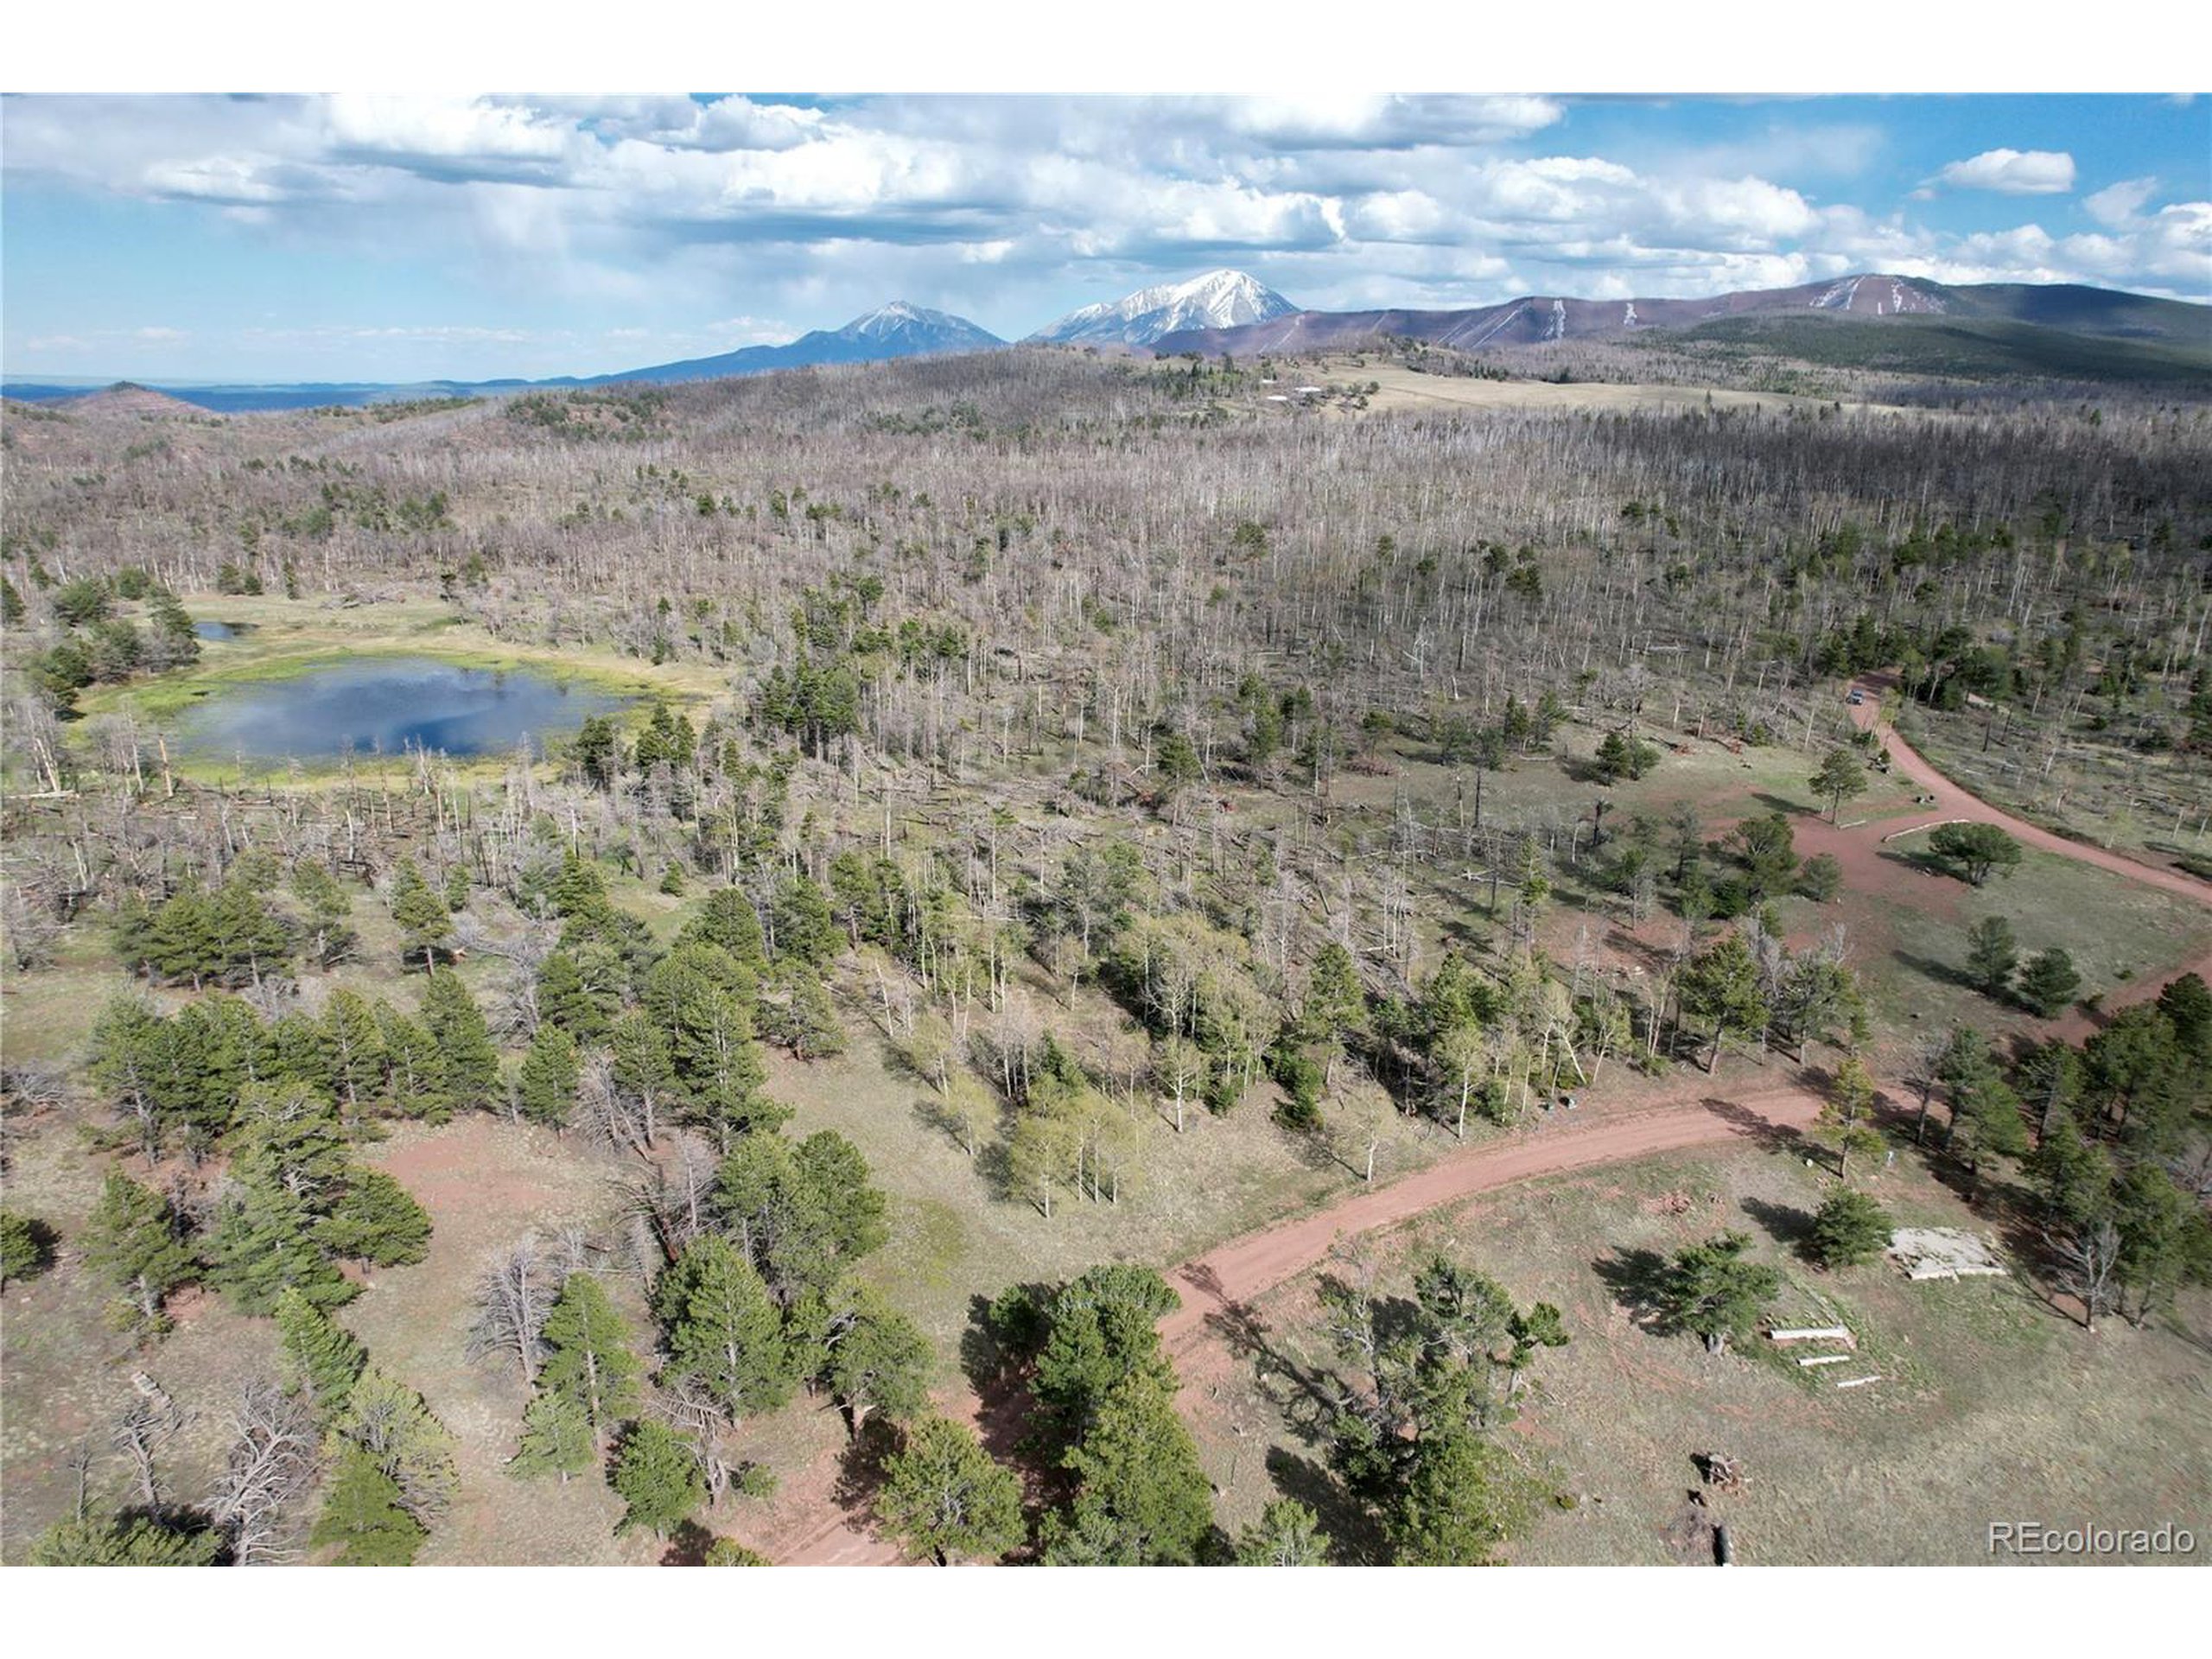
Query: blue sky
(405, 238)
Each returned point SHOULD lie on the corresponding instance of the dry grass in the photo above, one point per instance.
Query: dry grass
(957, 1235)
(1993, 1405)
(64, 1376)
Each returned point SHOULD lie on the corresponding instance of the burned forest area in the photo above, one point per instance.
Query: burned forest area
(1057, 958)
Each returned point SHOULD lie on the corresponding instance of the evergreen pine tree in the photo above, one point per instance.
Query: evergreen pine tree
(727, 921)
(290, 1137)
(1450, 1511)
(352, 1053)
(388, 1420)
(364, 1514)
(330, 940)
(2048, 980)
(557, 1438)
(805, 927)
(321, 1358)
(24, 1249)
(416, 1075)
(126, 1540)
(657, 1475)
(878, 1361)
(644, 1068)
(264, 1242)
(944, 1497)
(545, 1086)
(1848, 1228)
(727, 1552)
(588, 1359)
(1287, 1534)
(563, 999)
(1991, 954)
(717, 1063)
(130, 1048)
(456, 1025)
(219, 1052)
(132, 1241)
(377, 1222)
(723, 1329)
(808, 1020)
(1141, 1498)
(1712, 1290)
(292, 1051)
(424, 919)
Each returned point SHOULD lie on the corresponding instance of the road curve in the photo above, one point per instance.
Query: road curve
(1216, 1287)
(1226, 1279)
(1952, 802)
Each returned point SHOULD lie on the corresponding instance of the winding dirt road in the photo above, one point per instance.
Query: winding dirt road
(1222, 1281)
(1218, 1288)
(1953, 804)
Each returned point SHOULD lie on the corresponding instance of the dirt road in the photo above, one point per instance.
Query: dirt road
(1222, 1281)
(1951, 804)
(1216, 1287)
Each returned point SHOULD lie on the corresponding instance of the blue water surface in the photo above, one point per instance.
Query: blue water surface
(390, 705)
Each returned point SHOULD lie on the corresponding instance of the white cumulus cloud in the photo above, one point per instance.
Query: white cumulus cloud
(2012, 172)
(2118, 204)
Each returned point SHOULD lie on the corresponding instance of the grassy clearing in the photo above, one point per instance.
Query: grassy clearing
(1404, 388)
(1910, 942)
(1992, 1405)
(488, 1183)
(48, 1013)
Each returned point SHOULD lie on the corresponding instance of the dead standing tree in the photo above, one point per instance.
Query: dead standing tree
(516, 1294)
(272, 1462)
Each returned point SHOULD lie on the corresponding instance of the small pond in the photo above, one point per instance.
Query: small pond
(390, 705)
(219, 630)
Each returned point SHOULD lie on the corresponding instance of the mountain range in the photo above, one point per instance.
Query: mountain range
(1870, 320)
(1533, 320)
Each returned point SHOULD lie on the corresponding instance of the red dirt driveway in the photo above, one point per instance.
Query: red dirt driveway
(1953, 803)
(1218, 1288)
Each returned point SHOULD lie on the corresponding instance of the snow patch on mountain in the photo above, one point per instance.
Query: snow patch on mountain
(914, 329)
(1220, 299)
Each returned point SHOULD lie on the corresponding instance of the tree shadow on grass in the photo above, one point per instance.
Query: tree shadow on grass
(687, 1546)
(995, 1165)
(860, 1469)
(1637, 1278)
(1354, 1537)
(1005, 1412)
(1785, 1223)
(983, 1358)
(1943, 973)
(932, 1112)
(1925, 862)
(1786, 809)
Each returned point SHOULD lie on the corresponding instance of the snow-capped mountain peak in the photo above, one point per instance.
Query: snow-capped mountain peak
(903, 320)
(1220, 299)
